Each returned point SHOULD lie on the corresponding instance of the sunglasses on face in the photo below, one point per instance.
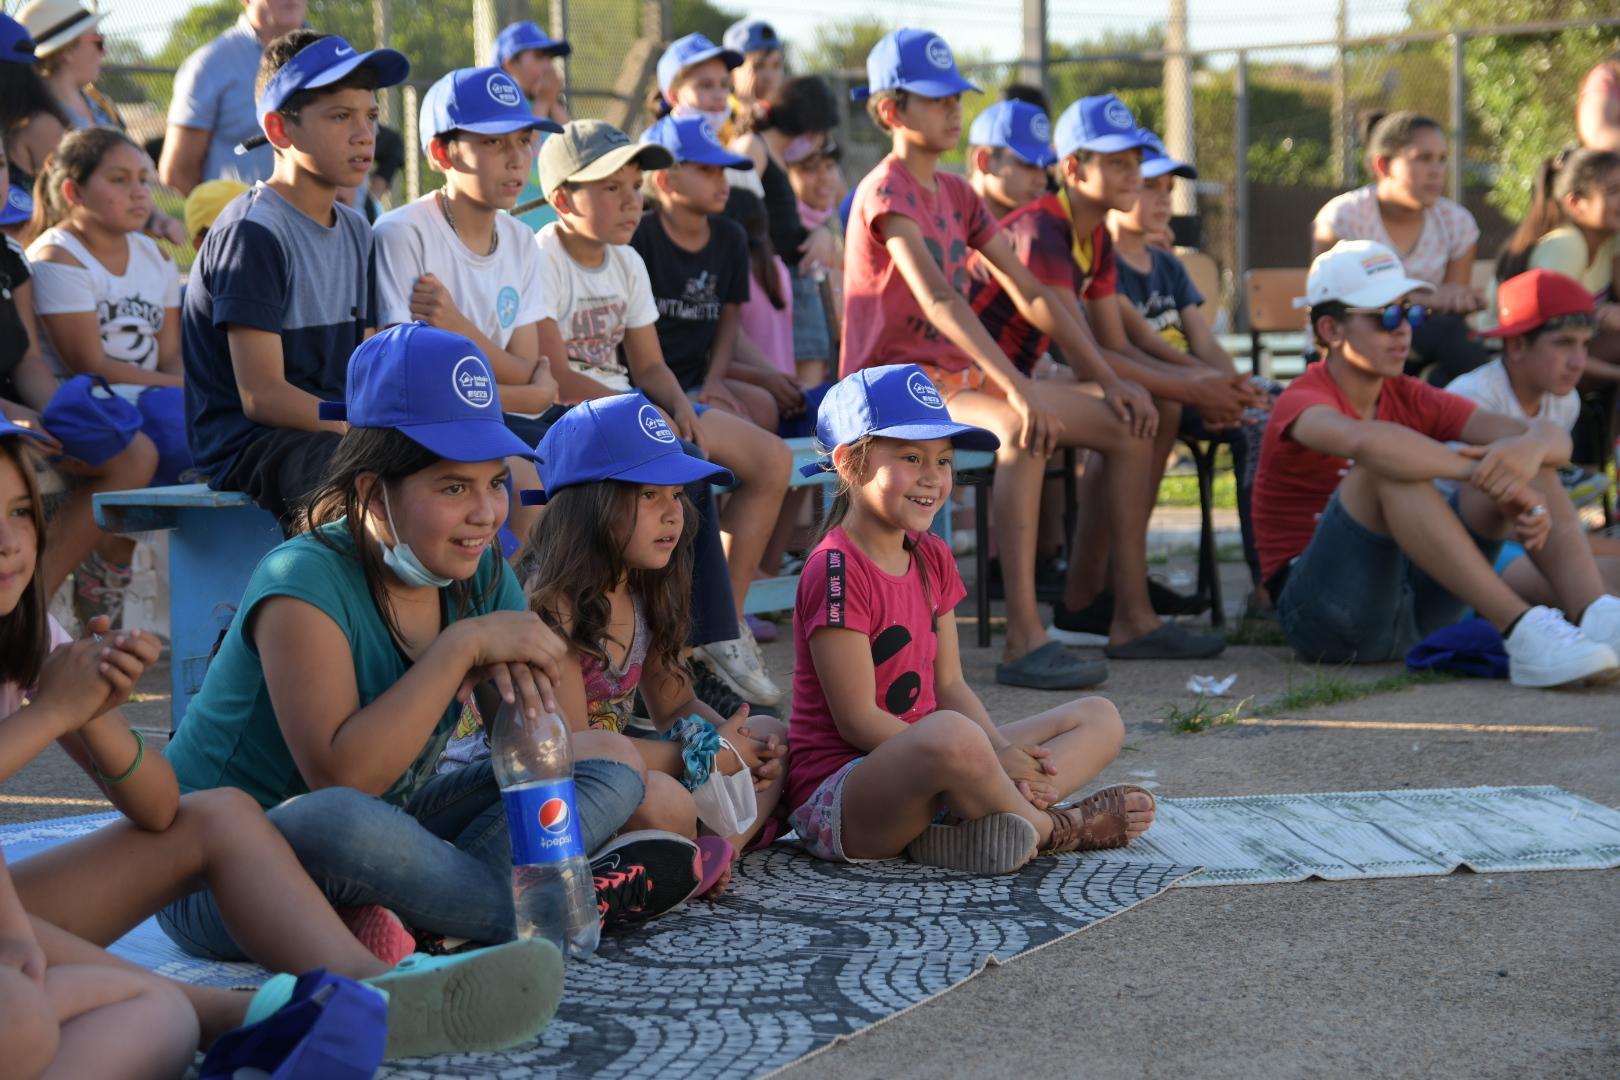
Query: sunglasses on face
(1393, 315)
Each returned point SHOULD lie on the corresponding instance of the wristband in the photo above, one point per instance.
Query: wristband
(140, 755)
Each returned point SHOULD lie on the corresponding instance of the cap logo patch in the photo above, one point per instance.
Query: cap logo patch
(939, 54)
(17, 198)
(1117, 114)
(653, 425)
(1040, 128)
(924, 392)
(1380, 263)
(343, 50)
(708, 132)
(472, 383)
(503, 90)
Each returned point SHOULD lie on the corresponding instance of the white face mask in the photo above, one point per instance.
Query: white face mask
(727, 804)
(403, 561)
(717, 120)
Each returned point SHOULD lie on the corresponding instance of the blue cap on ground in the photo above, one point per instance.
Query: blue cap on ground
(1017, 126)
(896, 401)
(19, 206)
(324, 62)
(432, 386)
(484, 101)
(16, 47)
(1102, 124)
(751, 35)
(692, 139)
(914, 60)
(1156, 161)
(1472, 647)
(520, 36)
(689, 50)
(622, 437)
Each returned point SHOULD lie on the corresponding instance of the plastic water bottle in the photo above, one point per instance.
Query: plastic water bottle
(551, 878)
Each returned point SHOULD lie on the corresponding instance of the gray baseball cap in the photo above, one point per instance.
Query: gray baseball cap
(588, 150)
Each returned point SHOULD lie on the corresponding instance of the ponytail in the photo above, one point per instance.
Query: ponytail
(75, 158)
(1571, 171)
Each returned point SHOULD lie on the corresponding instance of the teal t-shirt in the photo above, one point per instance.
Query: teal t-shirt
(542, 215)
(230, 738)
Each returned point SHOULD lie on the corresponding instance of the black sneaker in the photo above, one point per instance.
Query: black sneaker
(709, 688)
(620, 893)
(671, 869)
(1088, 626)
(1166, 601)
(1050, 574)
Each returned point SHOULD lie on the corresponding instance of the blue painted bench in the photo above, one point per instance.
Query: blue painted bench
(218, 538)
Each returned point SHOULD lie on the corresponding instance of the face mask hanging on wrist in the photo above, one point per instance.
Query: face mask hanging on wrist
(403, 561)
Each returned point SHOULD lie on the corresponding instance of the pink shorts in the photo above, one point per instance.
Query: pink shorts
(819, 820)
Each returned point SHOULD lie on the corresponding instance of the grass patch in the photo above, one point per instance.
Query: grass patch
(1254, 632)
(1182, 490)
(1331, 688)
(1204, 713)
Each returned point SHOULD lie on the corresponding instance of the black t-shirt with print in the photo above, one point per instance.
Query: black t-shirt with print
(690, 288)
(13, 334)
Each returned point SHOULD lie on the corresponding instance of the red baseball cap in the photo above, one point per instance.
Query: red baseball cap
(1527, 300)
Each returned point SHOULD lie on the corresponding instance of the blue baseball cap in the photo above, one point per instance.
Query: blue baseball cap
(1102, 124)
(432, 386)
(914, 60)
(482, 100)
(689, 50)
(19, 206)
(524, 35)
(622, 437)
(324, 62)
(751, 35)
(7, 429)
(1156, 161)
(692, 138)
(1017, 126)
(897, 401)
(90, 420)
(16, 46)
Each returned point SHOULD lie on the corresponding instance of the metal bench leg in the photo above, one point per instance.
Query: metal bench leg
(981, 554)
(1209, 574)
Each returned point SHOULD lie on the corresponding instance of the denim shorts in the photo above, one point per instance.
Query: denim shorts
(1353, 597)
(811, 340)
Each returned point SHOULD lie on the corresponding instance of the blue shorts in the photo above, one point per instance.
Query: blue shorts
(1353, 597)
(811, 340)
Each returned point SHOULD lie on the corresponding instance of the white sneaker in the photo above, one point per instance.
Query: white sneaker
(1545, 649)
(739, 664)
(1601, 621)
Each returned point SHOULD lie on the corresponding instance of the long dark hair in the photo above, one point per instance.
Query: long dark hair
(802, 105)
(76, 158)
(576, 557)
(25, 634)
(23, 96)
(854, 466)
(1571, 171)
(748, 210)
(392, 457)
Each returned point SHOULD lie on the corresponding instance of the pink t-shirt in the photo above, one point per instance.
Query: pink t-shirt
(1449, 230)
(769, 327)
(840, 587)
(883, 323)
(11, 695)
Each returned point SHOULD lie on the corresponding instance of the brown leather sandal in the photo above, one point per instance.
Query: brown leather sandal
(1096, 822)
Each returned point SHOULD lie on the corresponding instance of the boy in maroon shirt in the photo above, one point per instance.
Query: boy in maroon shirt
(1364, 554)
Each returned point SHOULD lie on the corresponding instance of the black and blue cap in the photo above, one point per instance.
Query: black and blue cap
(16, 46)
(917, 61)
(751, 35)
(1156, 160)
(692, 139)
(484, 101)
(689, 50)
(623, 437)
(1017, 126)
(897, 401)
(525, 35)
(432, 386)
(324, 62)
(1102, 124)
(19, 206)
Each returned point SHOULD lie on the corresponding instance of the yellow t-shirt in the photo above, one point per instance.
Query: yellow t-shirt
(1564, 250)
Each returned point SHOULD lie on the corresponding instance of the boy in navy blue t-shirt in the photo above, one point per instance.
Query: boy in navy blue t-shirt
(284, 286)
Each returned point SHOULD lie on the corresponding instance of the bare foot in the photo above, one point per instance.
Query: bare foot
(1139, 812)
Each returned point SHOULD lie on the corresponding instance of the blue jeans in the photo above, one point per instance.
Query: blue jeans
(1354, 597)
(361, 850)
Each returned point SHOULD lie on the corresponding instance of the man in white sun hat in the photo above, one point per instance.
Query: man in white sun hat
(1363, 553)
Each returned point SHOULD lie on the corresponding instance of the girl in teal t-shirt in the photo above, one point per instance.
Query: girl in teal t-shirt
(357, 645)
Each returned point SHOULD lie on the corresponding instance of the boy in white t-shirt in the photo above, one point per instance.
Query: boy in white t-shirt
(1545, 325)
(453, 259)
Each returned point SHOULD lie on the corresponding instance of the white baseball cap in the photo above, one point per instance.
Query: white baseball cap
(1357, 273)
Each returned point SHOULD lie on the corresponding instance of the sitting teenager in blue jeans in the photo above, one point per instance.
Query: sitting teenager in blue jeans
(1363, 553)
(342, 675)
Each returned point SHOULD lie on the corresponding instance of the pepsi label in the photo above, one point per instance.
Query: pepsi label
(543, 823)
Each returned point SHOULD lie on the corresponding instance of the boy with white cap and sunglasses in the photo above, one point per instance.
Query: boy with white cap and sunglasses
(1363, 553)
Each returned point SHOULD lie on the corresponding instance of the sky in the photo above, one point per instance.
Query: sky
(987, 27)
